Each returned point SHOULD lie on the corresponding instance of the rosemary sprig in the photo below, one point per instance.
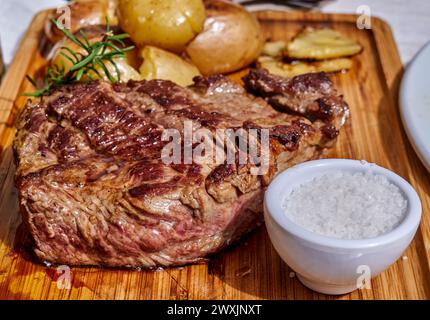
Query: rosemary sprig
(95, 59)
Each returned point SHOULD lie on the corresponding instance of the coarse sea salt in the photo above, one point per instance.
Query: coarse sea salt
(347, 205)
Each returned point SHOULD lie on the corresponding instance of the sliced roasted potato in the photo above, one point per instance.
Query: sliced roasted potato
(320, 44)
(127, 72)
(274, 48)
(295, 68)
(231, 39)
(167, 24)
(161, 64)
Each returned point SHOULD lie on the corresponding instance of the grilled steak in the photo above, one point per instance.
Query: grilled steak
(94, 189)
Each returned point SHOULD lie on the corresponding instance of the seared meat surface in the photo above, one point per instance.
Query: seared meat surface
(94, 189)
(311, 95)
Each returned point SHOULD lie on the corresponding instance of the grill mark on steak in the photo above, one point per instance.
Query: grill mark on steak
(110, 125)
(37, 119)
(145, 171)
(60, 140)
(206, 119)
(164, 92)
(94, 191)
(154, 188)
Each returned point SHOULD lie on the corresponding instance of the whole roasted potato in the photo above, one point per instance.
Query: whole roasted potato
(231, 39)
(162, 64)
(167, 24)
(83, 13)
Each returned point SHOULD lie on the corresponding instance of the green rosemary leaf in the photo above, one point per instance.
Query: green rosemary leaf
(74, 54)
(84, 61)
(79, 74)
(112, 46)
(105, 70)
(118, 72)
(36, 94)
(118, 41)
(50, 74)
(93, 62)
(65, 55)
(119, 36)
(111, 55)
(68, 34)
(88, 74)
(87, 42)
(128, 49)
(92, 68)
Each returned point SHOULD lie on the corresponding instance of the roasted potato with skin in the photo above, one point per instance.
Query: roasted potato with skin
(231, 39)
(321, 44)
(83, 13)
(162, 64)
(295, 68)
(167, 24)
(127, 72)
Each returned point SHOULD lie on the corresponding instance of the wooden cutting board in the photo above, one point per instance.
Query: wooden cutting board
(251, 269)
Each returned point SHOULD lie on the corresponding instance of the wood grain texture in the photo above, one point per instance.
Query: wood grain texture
(251, 269)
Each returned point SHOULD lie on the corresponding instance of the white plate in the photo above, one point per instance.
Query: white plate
(414, 102)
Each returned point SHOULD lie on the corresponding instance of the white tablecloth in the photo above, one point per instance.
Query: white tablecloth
(15, 16)
(410, 20)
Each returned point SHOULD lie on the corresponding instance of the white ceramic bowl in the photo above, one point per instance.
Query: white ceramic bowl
(330, 265)
(414, 101)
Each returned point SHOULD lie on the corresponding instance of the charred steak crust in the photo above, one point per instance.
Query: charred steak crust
(93, 189)
(310, 95)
